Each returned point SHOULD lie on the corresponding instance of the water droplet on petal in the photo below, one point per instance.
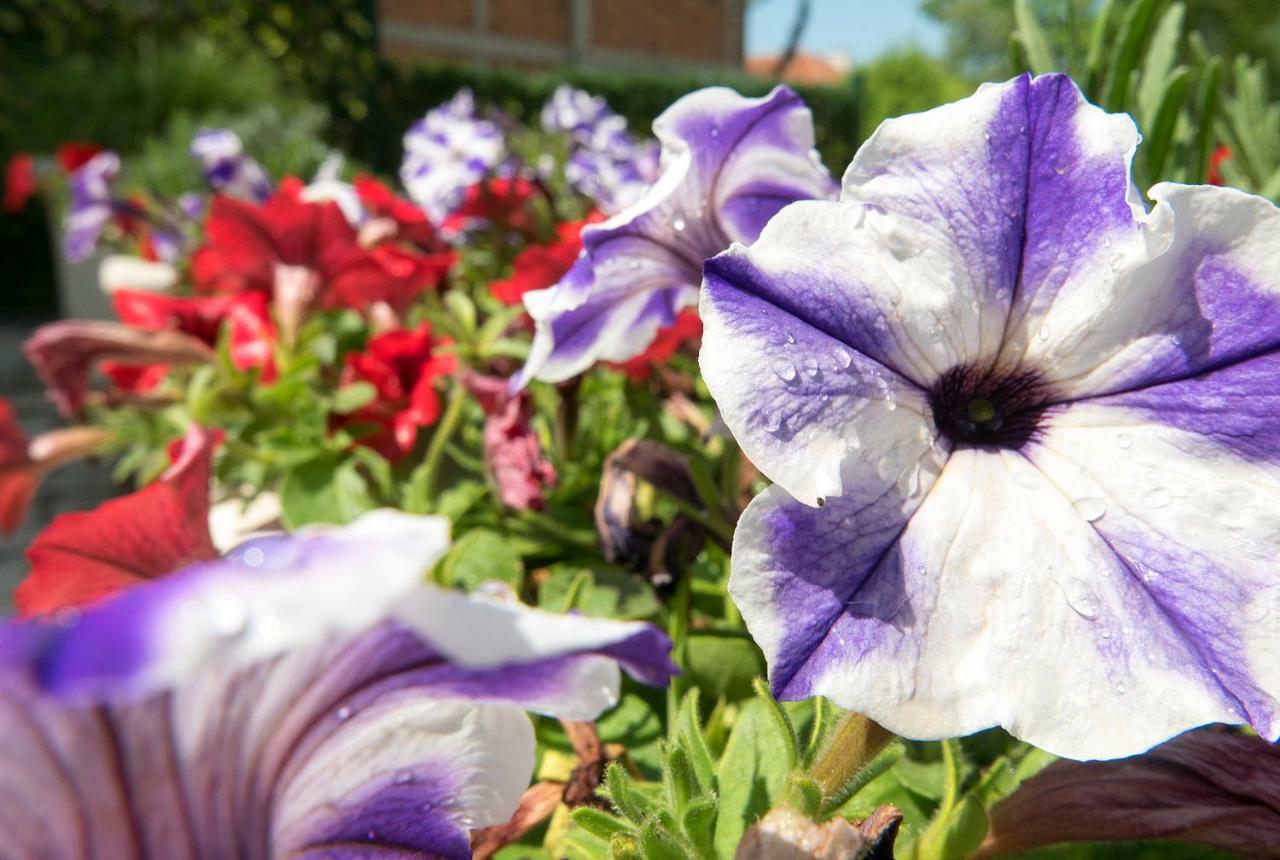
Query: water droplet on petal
(403, 777)
(1121, 688)
(810, 367)
(791, 338)
(1123, 440)
(785, 370)
(771, 422)
(715, 131)
(678, 224)
(1157, 497)
(1091, 508)
(1082, 599)
(842, 357)
(344, 713)
(1043, 334)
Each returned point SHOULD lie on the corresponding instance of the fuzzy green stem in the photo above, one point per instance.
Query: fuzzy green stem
(444, 432)
(854, 741)
(678, 629)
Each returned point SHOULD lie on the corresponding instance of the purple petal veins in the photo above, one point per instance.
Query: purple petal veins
(1023, 430)
(269, 704)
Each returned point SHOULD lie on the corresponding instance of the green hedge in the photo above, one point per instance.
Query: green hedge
(404, 95)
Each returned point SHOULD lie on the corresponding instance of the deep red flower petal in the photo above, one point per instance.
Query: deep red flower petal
(537, 267)
(19, 182)
(19, 477)
(74, 154)
(134, 378)
(85, 556)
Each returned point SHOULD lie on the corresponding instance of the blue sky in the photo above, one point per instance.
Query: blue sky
(860, 28)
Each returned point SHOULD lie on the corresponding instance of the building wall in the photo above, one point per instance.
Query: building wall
(653, 35)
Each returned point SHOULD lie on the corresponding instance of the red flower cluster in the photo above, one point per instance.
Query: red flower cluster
(252, 334)
(537, 267)
(307, 254)
(403, 367)
(501, 204)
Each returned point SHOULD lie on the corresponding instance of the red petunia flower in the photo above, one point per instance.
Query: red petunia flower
(513, 453)
(305, 255)
(20, 182)
(403, 367)
(503, 204)
(411, 223)
(686, 328)
(252, 333)
(1220, 154)
(134, 378)
(538, 267)
(74, 154)
(85, 556)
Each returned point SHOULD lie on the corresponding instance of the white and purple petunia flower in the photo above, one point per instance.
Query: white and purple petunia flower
(305, 696)
(226, 167)
(446, 152)
(729, 164)
(606, 163)
(92, 206)
(1024, 433)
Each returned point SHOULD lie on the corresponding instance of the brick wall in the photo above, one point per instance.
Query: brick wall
(642, 35)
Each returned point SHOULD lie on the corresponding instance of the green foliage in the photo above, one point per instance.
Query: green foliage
(905, 81)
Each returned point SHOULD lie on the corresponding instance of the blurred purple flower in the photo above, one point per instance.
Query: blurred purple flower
(446, 152)
(226, 168)
(606, 163)
(306, 695)
(93, 205)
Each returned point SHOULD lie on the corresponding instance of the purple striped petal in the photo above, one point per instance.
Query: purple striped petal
(730, 163)
(997, 604)
(261, 706)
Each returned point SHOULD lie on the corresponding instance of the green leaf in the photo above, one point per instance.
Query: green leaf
(782, 724)
(478, 556)
(752, 774)
(1161, 53)
(1159, 138)
(599, 823)
(688, 729)
(723, 664)
(326, 489)
(1131, 40)
(633, 804)
(700, 824)
(955, 833)
(600, 592)
(1031, 35)
(805, 794)
(353, 396)
(1207, 110)
(679, 778)
(1097, 50)
(462, 309)
(657, 843)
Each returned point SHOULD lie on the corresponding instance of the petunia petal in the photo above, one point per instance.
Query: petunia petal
(485, 632)
(1184, 486)
(809, 410)
(268, 596)
(730, 163)
(934, 639)
(1196, 289)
